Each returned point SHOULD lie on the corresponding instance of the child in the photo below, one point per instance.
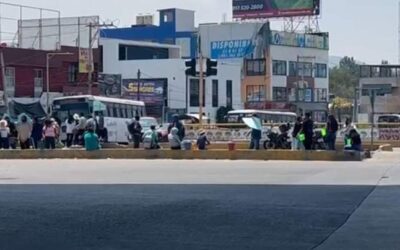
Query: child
(4, 135)
(174, 140)
(202, 141)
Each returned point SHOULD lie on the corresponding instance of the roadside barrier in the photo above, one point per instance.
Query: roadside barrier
(261, 155)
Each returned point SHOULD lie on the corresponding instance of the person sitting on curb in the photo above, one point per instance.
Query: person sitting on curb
(91, 139)
(150, 138)
(173, 138)
(202, 141)
(355, 139)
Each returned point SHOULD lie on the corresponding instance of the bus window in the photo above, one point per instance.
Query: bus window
(115, 111)
(109, 110)
(126, 111)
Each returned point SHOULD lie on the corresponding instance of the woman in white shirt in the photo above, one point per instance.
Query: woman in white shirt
(4, 135)
(70, 126)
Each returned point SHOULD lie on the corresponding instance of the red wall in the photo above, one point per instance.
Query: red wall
(25, 62)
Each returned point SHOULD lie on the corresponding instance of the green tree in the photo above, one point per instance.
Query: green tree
(344, 79)
(222, 112)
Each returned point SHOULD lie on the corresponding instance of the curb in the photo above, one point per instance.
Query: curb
(261, 155)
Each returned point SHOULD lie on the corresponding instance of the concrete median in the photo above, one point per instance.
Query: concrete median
(214, 154)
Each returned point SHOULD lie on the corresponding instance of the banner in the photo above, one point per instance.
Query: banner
(84, 66)
(231, 49)
(152, 91)
(110, 85)
(254, 9)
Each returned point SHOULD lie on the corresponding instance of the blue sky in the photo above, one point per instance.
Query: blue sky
(365, 29)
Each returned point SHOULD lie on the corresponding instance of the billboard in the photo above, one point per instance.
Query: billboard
(253, 9)
(110, 85)
(152, 91)
(231, 49)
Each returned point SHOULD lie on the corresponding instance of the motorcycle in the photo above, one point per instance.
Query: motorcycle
(318, 141)
(278, 140)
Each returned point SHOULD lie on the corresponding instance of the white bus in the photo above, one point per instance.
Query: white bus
(267, 117)
(116, 112)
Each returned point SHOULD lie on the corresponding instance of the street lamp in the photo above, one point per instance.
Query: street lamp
(48, 57)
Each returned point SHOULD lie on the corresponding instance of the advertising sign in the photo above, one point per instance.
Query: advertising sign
(151, 91)
(84, 60)
(231, 49)
(253, 9)
(300, 40)
(110, 85)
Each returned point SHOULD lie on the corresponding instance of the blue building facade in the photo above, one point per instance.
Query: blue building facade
(176, 26)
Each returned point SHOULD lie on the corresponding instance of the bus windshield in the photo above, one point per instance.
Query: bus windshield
(63, 110)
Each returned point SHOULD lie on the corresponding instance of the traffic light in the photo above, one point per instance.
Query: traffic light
(211, 67)
(191, 67)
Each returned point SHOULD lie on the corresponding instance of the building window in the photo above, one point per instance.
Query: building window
(38, 82)
(255, 67)
(168, 17)
(365, 71)
(320, 95)
(215, 93)
(321, 70)
(255, 93)
(303, 69)
(279, 68)
(73, 73)
(304, 95)
(279, 94)
(10, 81)
(229, 100)
(195, 92)
(133, 52)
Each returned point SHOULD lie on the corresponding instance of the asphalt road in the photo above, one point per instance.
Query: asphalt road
(199, 205)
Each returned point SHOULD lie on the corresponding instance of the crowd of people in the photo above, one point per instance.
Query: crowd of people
(88, 132)
(176, 135)
(304, 134)
(45, 133)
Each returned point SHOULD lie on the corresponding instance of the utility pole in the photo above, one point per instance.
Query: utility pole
(201, 86)
(3, 73)
(138, 84)
(201, 89)
(92, 38)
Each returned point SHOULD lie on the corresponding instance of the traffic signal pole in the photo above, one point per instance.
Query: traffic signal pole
(201, 90)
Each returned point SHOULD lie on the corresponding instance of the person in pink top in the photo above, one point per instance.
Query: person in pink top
(49, 134)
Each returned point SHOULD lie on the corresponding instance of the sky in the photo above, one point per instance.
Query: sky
(364, 29)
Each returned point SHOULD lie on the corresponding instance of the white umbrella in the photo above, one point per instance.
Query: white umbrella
(253, 122)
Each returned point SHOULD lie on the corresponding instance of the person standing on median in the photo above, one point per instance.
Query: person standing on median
(92, 142)
(49, 134)
(24, 128)
(308, 130)
(135, 129)
(37, 132)
(296, 131)
(255, 137)
(331, 128)
(177, 124)
(4, 135)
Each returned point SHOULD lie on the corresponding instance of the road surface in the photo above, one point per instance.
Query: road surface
(120, 204)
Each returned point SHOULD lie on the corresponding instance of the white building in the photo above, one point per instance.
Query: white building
(162, 64)
(281, 70)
